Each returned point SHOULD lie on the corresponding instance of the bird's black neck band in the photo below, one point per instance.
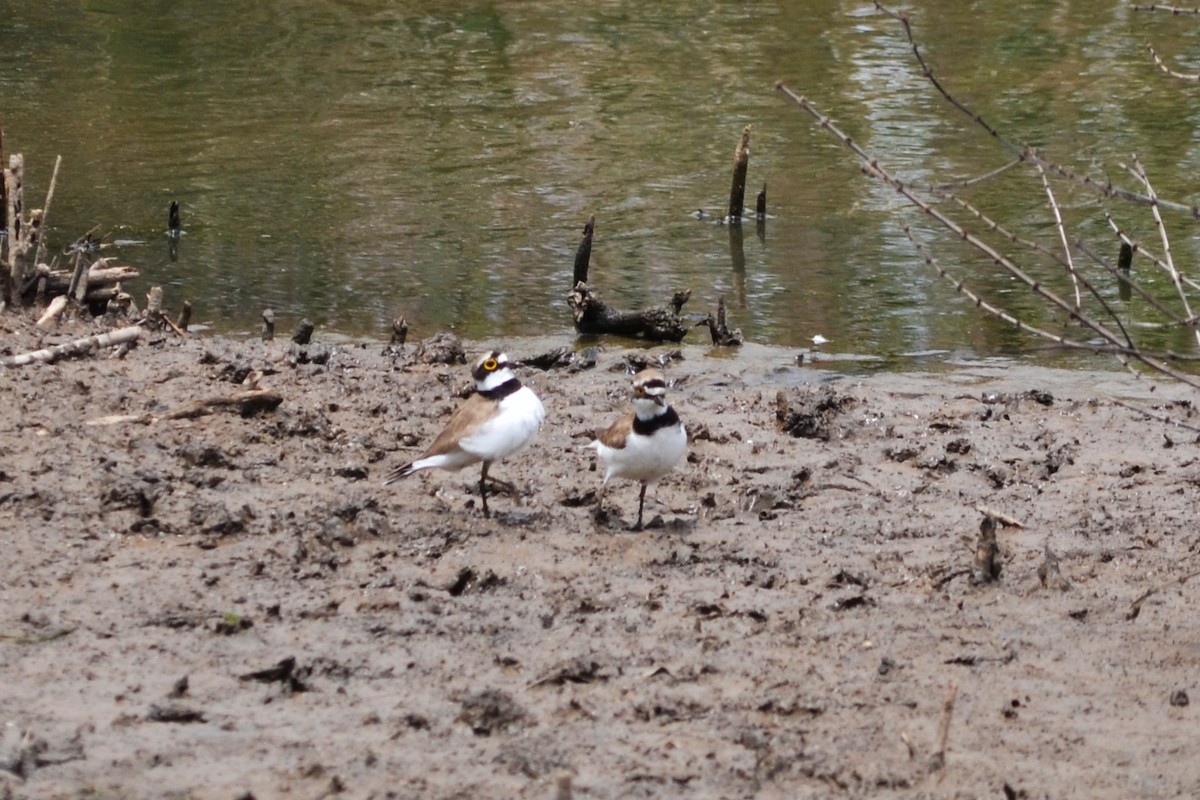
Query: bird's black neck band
(502, 391)
(647, 427)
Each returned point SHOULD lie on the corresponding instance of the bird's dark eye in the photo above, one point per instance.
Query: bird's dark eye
(490, 365)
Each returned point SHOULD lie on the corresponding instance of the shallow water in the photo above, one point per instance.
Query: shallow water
(351, 161)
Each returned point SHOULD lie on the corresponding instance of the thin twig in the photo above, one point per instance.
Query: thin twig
(963, 184)
(1140, 171)
(41, 248)
(1023, 151)
(1117, 345)
(1062, 235)
(938, 760)
(1135, 607)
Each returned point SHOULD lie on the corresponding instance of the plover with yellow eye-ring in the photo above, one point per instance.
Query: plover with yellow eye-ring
(499, 418)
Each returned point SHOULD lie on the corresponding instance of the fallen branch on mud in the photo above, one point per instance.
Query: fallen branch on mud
(75, 348)
(1135, 607)
(246, 403)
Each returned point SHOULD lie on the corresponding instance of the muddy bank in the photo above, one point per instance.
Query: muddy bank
(222, 606)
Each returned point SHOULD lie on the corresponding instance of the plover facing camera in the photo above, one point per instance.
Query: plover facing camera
(645, 444)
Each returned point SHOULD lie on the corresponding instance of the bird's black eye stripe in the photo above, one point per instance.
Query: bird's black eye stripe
(655, 383)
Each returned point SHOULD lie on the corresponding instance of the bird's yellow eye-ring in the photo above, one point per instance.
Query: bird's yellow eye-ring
(490, 365)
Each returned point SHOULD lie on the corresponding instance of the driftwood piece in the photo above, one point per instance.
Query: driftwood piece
(593, 316)
(719, 330)
(80, 279)
(741, 163)
(75, 348)
(52, 312)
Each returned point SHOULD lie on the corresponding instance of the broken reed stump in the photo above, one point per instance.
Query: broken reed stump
(1124, 265)
(593, 316)
(304, 332)
(737, 191)
(986, 565)
(719, 330)
(24, 242)
(268, 325)
(14, 251)
(154, 311)
(399, 332)
(583, 254)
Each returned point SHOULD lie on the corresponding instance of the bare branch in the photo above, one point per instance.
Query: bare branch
(1023, 151)
(1163, 66)
(1062, 234)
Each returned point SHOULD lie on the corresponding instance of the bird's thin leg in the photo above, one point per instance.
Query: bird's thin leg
(483, 488)
(641, 504)
(598, 514)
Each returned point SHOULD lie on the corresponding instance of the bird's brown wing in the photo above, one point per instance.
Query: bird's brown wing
(615, 435)
(471, 414)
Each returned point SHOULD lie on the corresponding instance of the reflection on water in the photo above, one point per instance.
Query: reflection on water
(349, 161)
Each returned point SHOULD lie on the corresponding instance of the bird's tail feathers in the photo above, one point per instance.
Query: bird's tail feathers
(399, 472)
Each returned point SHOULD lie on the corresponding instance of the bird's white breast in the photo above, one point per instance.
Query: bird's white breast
(644, 458)
(515, 425)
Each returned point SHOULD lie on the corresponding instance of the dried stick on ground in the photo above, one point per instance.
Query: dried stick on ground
(75, 348)
(938, 760)
(247, 403)
(1135, 607)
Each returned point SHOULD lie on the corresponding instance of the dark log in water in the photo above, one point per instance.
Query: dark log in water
(737, 192)
(719, 330)
(584, 254)
(593, 316)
